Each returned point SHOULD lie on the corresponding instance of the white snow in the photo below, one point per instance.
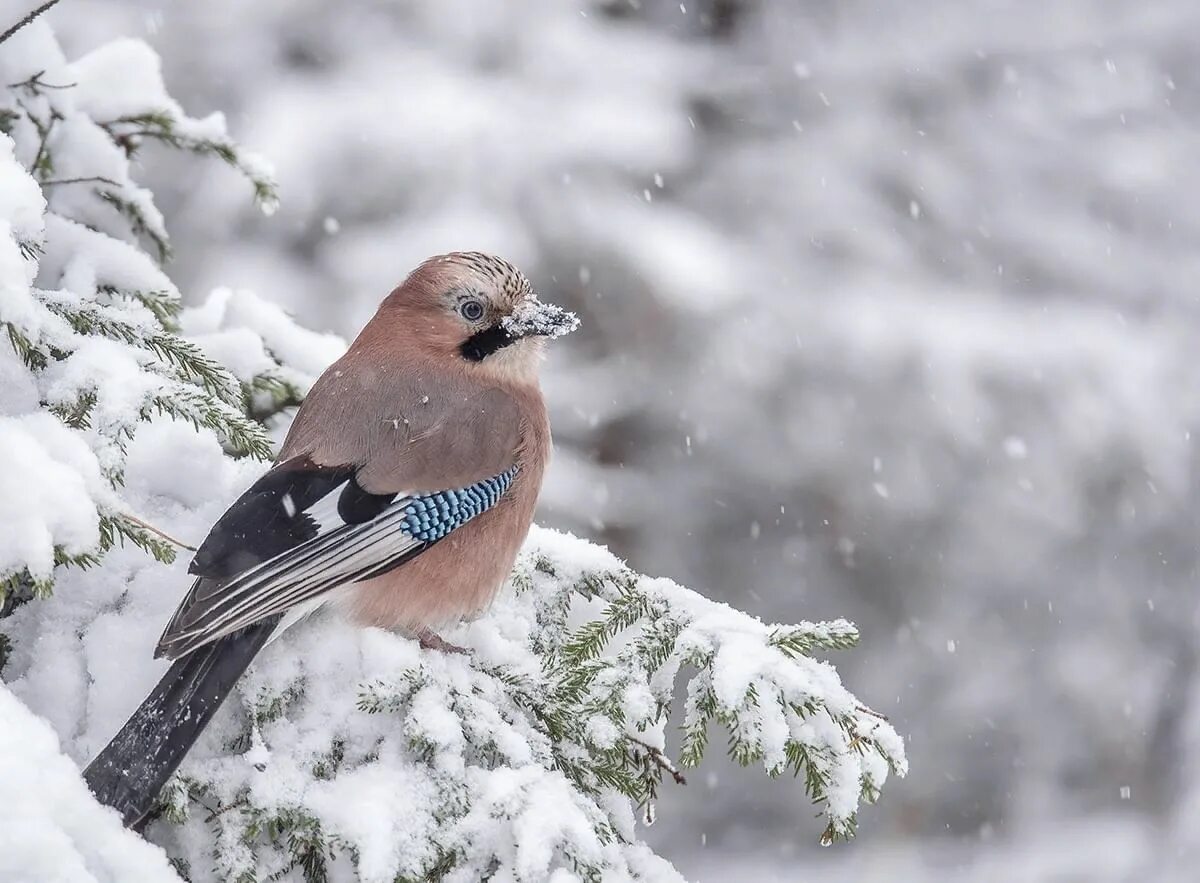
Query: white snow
(48, 490)
(122, 78)
(79, 259)
(222, 326)
(54, 831)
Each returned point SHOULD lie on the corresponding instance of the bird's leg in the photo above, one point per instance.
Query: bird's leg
(431, 640)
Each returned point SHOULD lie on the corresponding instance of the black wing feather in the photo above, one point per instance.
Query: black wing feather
(272, 517)
(269, 518)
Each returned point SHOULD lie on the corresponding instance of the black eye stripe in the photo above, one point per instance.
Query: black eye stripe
(482, 344)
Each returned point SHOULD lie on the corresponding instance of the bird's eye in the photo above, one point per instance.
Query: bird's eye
(471, 310)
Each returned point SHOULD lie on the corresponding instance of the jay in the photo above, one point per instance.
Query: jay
(401, 495)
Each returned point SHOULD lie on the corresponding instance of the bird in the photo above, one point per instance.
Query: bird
(400, 497)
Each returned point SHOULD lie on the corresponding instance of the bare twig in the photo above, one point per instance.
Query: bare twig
(43, 131)
(27, 19)
(35, 82)
(98, 179)
(145, 525)
(214, 813)
(660, 760)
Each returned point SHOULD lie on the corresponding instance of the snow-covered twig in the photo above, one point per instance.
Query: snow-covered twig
(661, 760)
(28, 19)
(162, 533)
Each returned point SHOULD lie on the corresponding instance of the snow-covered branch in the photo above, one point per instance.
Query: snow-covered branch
(531, 755)
(92, 320)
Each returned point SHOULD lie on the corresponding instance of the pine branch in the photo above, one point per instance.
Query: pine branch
(181, 381)
(137, 522)
(128, 131)
(572, 714)
(268, 395)
(138, 222)
(244, 436)
(35, 84)
(803, 639)
(26, 350)
(660, 760)
(93, 179)
(28, 19)
(186, 358)
(163, 305)
(42, 165)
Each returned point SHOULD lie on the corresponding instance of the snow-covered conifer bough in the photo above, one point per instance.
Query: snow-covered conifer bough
(402, 494)
(352, 753)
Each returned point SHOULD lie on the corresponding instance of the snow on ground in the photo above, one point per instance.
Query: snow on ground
(54, 831)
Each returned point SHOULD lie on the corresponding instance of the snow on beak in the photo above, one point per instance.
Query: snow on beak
(534, 318)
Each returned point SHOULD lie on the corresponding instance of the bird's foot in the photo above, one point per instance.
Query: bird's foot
(431, 640)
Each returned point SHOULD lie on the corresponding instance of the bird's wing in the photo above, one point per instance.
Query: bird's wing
(306, 528)
(404, 424)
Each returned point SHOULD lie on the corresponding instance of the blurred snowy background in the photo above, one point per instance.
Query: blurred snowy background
(889, 313)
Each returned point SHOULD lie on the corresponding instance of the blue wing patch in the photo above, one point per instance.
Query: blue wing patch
(430, 517)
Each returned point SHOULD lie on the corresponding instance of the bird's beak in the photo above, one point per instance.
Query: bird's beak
(534, 318)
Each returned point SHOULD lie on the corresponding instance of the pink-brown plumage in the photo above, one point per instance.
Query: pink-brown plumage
(460, 575)
(438, 422)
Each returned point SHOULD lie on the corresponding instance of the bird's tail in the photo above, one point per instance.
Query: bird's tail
(129, 773)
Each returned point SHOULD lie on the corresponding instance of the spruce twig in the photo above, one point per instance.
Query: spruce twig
(145, 525)
(27, 19)
(92, 179)
(35, 82)
(872, 712)
(660, 759)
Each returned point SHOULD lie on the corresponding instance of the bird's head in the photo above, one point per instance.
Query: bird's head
(481, 311)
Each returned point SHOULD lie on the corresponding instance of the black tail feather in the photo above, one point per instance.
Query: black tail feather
(129, 773)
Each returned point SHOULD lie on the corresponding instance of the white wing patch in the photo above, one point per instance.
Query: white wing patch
(325, 511)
